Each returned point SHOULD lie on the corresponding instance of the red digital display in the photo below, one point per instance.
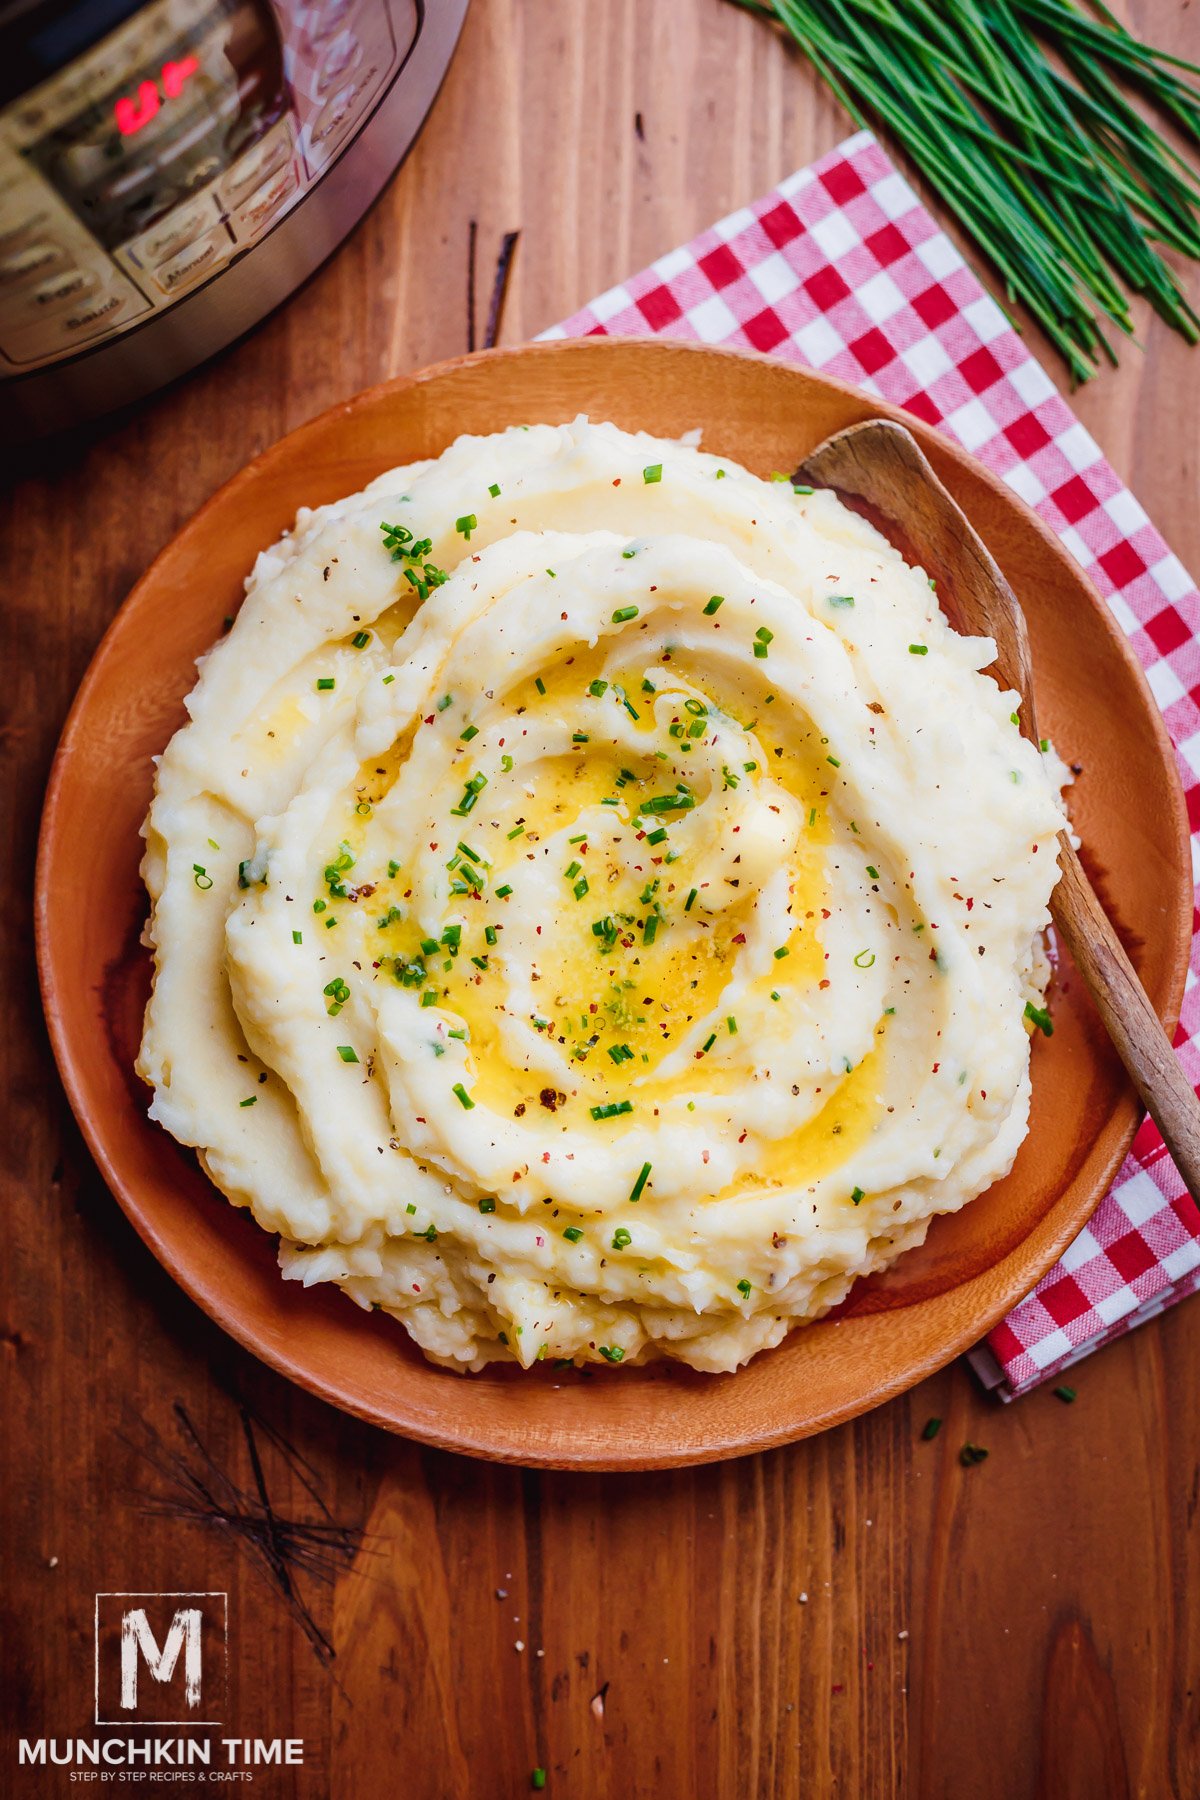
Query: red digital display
(131, 112)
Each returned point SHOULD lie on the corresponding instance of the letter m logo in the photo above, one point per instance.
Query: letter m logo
(160, 1658)
(137, 1641)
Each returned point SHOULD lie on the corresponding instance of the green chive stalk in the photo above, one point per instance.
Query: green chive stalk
(1028, 117)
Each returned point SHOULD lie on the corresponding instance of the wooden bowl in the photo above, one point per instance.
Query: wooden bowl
(892, 1330)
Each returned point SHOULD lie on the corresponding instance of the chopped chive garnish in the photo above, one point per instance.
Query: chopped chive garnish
(539, 684)
(487, 1205)
(612, 1109)
(572, 1233)
(472, 731)
(857, 1195)
(623, 614)
(652, 474)
(320, 905)
(687, 905)
(709, 1041)
(201, 877)
(841, 599)
(502, 893)
(494, 490)
(744, 1288)
(833, 761)
(580, 737)
(429, 997)
(731, 1022)
(347, 1053)
(918, 649)
(612, 1353)
(932, 1427)
(249, 1102)
(621, 1238)
(597, 687)
(467, 524)
(657, 836)
(774, 993)
(782, 952)
(325, 682)
(445, 701)
(872, 872)
(489, 934)
(580, 888)
(506, 763)
(865, 959)
(715, 604)
(639, 1186)
(297, 937)
(1040, 1016)
(1066, 1394)
(464, 1099)
(763, 635)
(970, 1454)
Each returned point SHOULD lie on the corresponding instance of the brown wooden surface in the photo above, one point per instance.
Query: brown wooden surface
(1030, 1626)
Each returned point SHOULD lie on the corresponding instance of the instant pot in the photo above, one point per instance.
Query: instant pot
(169, 172)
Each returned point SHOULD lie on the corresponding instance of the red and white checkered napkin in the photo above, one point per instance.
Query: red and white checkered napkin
(841, 268)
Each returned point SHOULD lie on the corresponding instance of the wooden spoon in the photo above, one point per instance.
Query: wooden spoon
(881, 463)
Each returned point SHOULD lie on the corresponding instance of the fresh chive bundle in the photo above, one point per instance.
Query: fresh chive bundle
(1021, 115)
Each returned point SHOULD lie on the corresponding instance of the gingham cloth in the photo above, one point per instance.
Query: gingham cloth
(841, 268)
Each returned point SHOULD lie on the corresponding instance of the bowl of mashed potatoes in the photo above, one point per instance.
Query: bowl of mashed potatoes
(597, 913)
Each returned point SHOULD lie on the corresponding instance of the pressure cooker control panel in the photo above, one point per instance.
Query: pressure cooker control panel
(151, 162)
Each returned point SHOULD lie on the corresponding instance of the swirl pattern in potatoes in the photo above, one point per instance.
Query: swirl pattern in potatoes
(597, 903)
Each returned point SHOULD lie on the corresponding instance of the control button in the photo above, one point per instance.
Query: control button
(194, 263)
(101, 315)
(342, 58)
(62, 289)
(255, 167)
(31, 260)
(337, 113)
(261, 208)
(330, 17)
(172, 234)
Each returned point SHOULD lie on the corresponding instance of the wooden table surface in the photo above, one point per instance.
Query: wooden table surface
(856, 1614)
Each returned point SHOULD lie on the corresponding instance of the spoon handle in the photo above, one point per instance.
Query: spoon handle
(1128, 1016)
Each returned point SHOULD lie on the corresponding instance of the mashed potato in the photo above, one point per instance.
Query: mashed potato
(596, 903)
